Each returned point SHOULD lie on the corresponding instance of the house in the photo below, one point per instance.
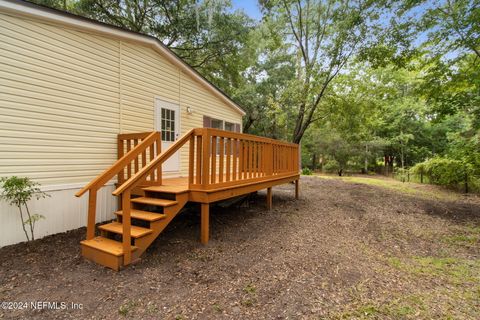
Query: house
(79, 97)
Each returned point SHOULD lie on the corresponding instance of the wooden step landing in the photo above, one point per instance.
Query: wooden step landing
(155, 201)
(143, 215)
(106, 252)
(106, 245)
(117, 227)
(167, 189)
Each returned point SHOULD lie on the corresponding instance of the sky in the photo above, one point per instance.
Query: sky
(249, 6)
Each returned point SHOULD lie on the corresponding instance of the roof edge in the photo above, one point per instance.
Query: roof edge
(65, 18)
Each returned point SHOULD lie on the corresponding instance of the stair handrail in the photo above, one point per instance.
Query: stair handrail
(125, 191)
(134, 180)
(97, 183)
(119, 165)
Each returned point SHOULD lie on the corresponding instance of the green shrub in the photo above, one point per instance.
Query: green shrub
(306, 171)
(331, 166)
(444, 171)
(402, 174)
(18, 192)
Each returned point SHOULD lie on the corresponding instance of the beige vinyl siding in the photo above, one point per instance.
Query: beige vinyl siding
(59, 97)
(146, 76)
(65, 94)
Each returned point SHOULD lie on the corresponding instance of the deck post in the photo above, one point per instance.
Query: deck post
(126, 226)
(204, 226)
(92, 207)
(297, 188)
(269, 198)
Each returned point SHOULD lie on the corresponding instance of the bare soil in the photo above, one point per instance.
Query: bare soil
(345, 250)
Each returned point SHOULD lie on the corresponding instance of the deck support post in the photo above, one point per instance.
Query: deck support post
(269, 198)
(92, 207)
(297, 188)
(126, 227)
(205, 223)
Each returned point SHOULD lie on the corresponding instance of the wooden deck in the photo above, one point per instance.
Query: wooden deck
(221, 165)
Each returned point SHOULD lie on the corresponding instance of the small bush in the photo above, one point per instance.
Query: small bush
(402, 174)
(18, 192)
(306, 171)
(331, 166)
(444, 172)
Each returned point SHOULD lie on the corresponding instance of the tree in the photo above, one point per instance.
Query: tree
(323, 36)
(453, 26)
(18, 192)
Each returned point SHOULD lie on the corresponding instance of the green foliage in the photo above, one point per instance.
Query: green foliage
(355, 82)
(331, 166)
(306, 171)
(444, 171)
(18, 192)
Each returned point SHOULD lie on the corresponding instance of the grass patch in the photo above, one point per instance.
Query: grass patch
(461, 239)
(470, 236)
(217, 308)
(405, 307)
(420, 190)
(250, 289)
(251, 298)
(126, 308)
(453, 270)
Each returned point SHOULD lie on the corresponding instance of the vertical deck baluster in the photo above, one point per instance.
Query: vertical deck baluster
(273, 162)
(129, 167)
(135, 143)
(229, 156)
(198, 171)
(255, 159)
(158, 145)
(260, 159)
(221, 159)
(152, 155)
(244, 160)
(120, 153)
(248, 160)
(144, 158)
(191, 158)
(214, 160)
(206, 158)
(235, 157)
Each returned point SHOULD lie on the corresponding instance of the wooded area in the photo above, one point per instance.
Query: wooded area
(362, 85)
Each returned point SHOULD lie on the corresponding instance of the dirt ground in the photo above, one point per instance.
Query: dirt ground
(345, 250)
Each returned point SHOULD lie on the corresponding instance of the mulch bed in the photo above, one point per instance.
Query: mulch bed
(327, 255)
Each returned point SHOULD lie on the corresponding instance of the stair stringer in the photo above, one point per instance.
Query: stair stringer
(158, 226)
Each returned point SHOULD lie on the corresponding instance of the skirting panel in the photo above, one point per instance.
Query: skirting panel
(62, 210)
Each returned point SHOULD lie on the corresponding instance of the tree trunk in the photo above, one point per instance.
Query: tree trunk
(366, 158)
(314, 161)
(23, 225)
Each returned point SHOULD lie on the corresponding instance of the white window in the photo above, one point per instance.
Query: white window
(168, 125)
(229, 126)
(217, 124)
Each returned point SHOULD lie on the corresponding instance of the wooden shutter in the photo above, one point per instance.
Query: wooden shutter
(207, 122)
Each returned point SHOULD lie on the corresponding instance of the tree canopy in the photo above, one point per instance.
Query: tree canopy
(358, 83)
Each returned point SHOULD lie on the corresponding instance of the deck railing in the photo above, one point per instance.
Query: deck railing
(217, 159)
(220, 158)
(129, 141)
(133, 152)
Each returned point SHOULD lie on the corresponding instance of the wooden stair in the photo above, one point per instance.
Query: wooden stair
(150, 214)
